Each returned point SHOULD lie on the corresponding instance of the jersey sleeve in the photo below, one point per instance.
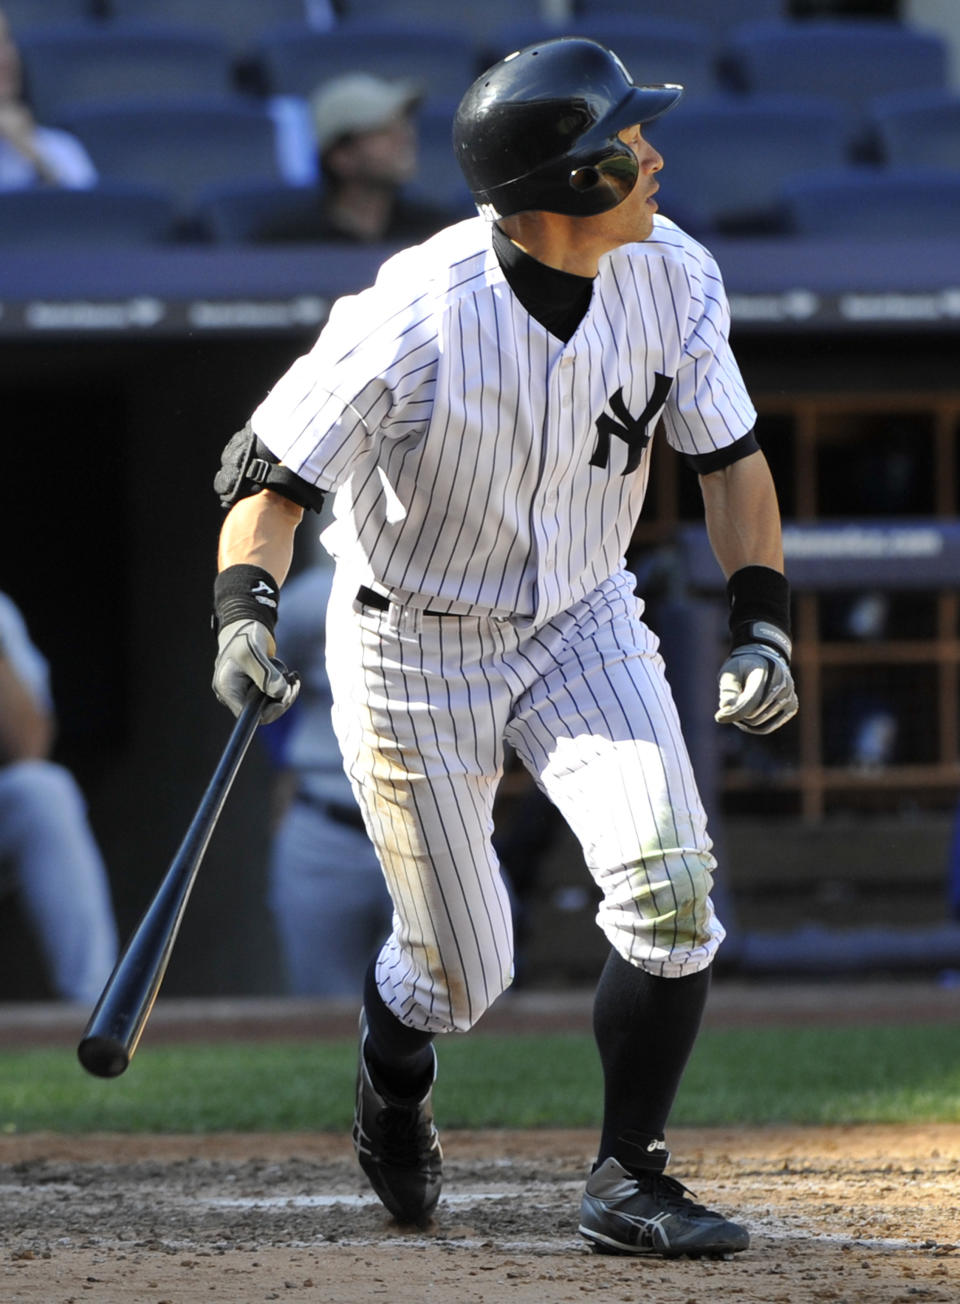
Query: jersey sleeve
(709, 416)
(366, 379)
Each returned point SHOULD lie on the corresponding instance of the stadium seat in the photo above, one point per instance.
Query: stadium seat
(851, 60)
(243, 213)
(180, 147)
(474, 20)
(726, 156)
(438, 173)
(296, 58)
(720, 16)
(238, 22)
(238, 212)
(868, 203)
(918, 128)
(90, 63)
(110, 214)
(31, 15)
(654, 50)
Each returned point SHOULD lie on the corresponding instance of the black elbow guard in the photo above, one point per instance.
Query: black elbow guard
(247, 466)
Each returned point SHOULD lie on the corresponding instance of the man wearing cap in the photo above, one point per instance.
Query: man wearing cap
(366, 146)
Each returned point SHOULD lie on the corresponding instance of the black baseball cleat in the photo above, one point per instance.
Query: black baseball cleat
(397, 1145)
(647, 1213)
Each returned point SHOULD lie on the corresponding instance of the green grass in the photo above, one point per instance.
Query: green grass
(744, 1076)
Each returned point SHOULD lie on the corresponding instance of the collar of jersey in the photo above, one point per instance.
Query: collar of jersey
(558, 300)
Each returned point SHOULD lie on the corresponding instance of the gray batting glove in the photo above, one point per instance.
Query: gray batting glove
(756, 690)
(245, 659)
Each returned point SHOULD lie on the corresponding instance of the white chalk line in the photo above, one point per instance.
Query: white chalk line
(761, 1233)
(355, 1201)
(779, 1235)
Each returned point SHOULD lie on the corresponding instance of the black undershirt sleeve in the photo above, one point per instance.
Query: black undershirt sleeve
(704, 463)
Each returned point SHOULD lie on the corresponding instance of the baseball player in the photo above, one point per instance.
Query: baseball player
(484, 413)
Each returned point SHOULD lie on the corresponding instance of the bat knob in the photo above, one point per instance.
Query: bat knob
(102, 1056)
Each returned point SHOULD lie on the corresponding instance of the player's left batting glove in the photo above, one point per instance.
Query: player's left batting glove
(245, 614)
(756, 686)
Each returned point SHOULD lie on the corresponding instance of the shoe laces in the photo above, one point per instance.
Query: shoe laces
(671, 1194)
(404, 1135)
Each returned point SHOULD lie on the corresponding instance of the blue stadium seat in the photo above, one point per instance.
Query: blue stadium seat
(851, 60)
(238, 22)
(237, 212)
(866, 203)
(474, 20)
(180, 147)
(719, 16)
(242, 213)
(110, 214)
(726, 157)
(296, 58)
(32, 15)
(438, 173)
(919, 128)
(654, 50)
(90, 63)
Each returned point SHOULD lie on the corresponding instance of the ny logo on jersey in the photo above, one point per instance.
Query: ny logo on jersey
(632, 430)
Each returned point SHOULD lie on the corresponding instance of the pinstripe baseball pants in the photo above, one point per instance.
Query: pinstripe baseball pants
(422, 707)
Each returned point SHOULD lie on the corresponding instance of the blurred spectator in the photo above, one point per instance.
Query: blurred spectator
(31, 155)
(365, 140)
(48, 854)
(327, 893)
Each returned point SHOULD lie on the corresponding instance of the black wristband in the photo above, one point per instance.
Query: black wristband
(759, 599)
(244, 592)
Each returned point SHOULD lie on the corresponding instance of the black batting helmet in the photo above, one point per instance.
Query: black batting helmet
(539, 129)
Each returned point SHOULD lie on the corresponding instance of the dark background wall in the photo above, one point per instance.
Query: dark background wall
(108, 528)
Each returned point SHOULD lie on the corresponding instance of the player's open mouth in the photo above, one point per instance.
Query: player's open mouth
(650, 198)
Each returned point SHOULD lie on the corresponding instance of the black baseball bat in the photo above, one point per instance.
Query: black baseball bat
(117, 1022)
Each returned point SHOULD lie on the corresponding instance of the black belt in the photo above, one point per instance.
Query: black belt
(371, 598)
(339, 811)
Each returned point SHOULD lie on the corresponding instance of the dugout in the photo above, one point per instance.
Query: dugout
(121, 377)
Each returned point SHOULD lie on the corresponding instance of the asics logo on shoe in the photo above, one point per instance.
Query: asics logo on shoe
(656, 1147)
(652, 1230)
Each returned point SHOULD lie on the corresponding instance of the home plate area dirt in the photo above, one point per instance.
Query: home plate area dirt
(858, 1215)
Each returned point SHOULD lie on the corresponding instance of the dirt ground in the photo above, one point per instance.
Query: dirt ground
(851, 1215)
(860, 1215)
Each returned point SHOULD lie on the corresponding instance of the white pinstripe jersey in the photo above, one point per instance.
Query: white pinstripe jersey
(481, 464)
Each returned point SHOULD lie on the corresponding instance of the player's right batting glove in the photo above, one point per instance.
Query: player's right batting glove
(245, 615)
(756, 686)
